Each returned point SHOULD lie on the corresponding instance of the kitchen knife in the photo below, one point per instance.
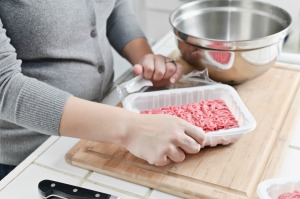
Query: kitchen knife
(52, 189)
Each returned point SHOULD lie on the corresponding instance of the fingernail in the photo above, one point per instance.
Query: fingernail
(172, 80)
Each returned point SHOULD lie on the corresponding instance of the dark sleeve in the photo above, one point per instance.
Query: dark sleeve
(122, 26)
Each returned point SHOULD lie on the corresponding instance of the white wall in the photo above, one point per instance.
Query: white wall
(293, 7)
(153, 16)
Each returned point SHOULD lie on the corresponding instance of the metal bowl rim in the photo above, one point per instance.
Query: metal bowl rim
(237, 42)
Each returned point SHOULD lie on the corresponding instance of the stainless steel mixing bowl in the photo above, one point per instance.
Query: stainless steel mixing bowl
(236, 40)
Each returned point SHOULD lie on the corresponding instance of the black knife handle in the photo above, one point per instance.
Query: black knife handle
(49, 188)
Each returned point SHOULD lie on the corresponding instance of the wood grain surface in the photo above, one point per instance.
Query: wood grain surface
(231, 171)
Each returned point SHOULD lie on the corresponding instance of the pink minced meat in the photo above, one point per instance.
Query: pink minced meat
(293, 195)
(210, 115)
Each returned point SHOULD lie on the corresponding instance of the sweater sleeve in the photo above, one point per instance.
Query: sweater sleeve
(122, 26)
(26, 101)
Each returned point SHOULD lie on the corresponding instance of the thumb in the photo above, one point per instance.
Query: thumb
(138, 69)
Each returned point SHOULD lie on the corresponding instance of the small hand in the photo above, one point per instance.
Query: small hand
(159, 69)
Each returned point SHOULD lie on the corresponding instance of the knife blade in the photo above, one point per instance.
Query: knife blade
(54, 189)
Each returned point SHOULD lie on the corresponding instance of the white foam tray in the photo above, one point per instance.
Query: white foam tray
(138, 102)
(272, 188)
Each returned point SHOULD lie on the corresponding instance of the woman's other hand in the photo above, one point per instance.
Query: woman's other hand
(159, 69)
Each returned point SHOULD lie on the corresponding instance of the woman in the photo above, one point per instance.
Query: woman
(66, 68)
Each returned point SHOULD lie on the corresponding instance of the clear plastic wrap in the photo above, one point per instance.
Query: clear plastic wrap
(133, 85)
(139, 84)
(194, 78)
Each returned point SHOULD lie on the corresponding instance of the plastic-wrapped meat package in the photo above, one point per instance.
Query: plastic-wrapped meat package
(292, 195)
(210, 115)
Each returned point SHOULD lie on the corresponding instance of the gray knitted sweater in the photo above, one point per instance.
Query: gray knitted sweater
(50, 50)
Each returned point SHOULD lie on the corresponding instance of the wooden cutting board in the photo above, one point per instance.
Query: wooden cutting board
(231, 171)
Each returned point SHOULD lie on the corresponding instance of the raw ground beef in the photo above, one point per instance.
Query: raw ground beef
(293, 195)
(210, 115)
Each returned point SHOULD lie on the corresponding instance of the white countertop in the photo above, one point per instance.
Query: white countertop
(48, 162)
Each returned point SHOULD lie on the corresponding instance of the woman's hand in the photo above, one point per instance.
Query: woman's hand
(160, 139)
(159, 69)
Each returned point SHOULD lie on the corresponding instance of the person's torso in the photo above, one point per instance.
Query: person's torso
(62, 42)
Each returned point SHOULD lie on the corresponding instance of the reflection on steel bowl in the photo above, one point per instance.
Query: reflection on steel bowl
(235, 40)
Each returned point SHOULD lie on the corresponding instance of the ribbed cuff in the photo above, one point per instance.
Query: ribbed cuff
(40, 106)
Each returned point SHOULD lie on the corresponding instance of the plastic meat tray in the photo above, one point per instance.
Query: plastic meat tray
(272, 188)
(138, 102)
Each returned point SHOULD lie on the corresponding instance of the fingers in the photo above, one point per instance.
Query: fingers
(175, 154)
(154, 67)
(188, 141)
(178, 71)
(138, 69)
(163, 162)
(148, 66)
(159, 68)
(196, 133)
(189, 145)
(165, 68)
(171, 67)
